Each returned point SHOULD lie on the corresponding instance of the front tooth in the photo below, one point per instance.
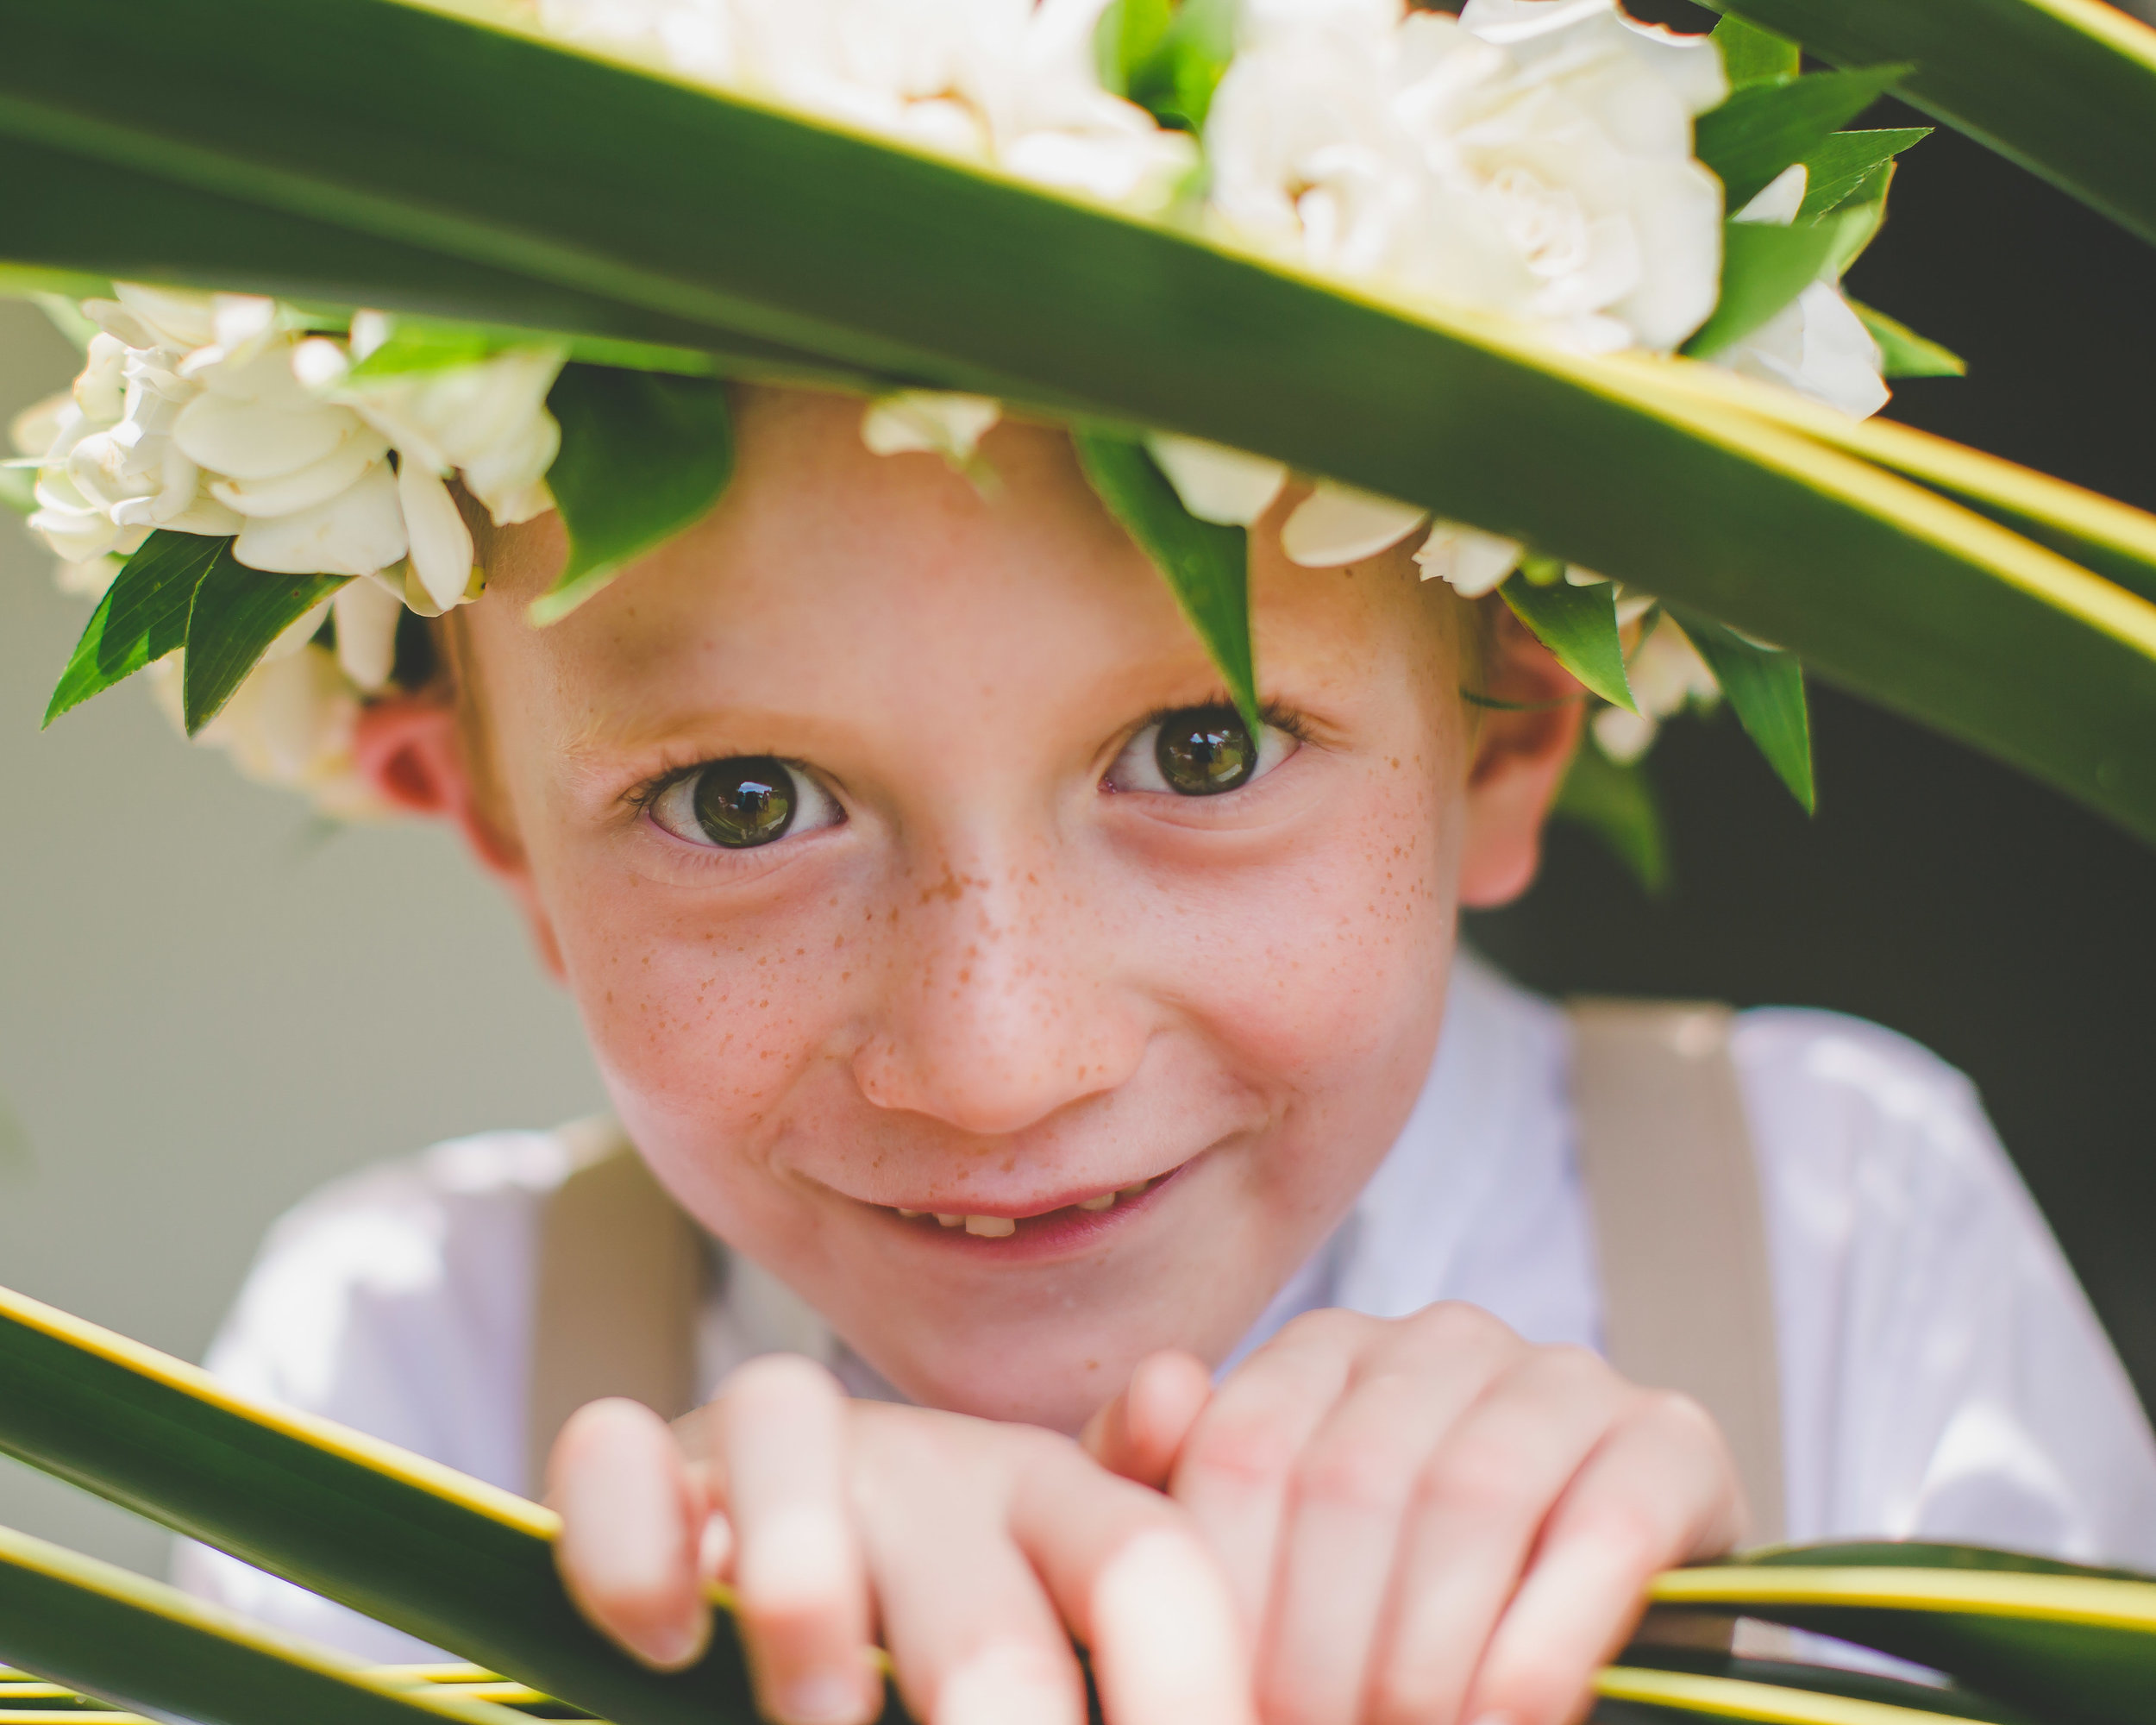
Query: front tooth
(1134, 1189)
(911, 1214)
(990, 1227)
(948, 1221)
(1102, 1202)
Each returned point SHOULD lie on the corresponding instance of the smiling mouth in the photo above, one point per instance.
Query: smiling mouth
(1002, 1227)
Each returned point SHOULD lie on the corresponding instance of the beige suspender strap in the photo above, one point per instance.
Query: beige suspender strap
(619, 1278)
(1687, 1288)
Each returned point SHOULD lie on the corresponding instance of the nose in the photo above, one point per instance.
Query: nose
(1002, 1003)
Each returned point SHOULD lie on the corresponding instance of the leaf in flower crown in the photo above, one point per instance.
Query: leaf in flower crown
(1168, 58)
(18, 489)
(416, 346)
(1837, 170)
(1206, 567)
(1617, 804)
(1753, 55)
(142, 616)
(1579, 625)
(1765, 689)
(1763, 128)
(1903, 353)
(237, 615)
(644, 455)
(1764, 268)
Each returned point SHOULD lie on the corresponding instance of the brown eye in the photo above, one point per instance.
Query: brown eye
(1204, 751)
(742, 802)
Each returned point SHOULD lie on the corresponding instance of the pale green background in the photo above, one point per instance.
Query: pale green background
(205, 1012)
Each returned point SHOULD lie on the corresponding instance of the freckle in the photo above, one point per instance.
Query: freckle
(1092, 1365)
(966, 975)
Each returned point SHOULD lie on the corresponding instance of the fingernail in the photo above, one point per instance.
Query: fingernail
(669, 1646)
(824, 1697)
(1004, 1686)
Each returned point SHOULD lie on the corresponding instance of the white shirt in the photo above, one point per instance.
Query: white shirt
(1942, 1374)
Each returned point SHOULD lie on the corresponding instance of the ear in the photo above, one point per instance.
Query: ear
(1520, 757)
(410, 751)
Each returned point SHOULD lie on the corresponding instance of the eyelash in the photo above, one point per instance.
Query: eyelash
(639, 798)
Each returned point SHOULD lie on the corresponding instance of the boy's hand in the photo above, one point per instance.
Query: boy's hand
(1427, 1521)
(978, 1549)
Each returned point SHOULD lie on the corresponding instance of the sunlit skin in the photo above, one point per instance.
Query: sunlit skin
(998, 969)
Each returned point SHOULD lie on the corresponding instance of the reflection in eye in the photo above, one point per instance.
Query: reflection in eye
(742, 802)
(1199, 751)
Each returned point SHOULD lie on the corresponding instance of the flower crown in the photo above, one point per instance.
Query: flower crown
(259, 495)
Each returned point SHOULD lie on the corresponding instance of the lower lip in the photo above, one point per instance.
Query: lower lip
(1061, 1233)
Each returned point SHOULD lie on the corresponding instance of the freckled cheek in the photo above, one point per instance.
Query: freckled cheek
(696, 1008)
(1339, 956)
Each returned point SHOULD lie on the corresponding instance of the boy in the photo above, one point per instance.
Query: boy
(954, 955)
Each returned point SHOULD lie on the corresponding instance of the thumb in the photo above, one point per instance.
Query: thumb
(1141, 1432)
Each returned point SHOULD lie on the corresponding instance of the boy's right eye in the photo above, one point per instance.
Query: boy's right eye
(742, 802)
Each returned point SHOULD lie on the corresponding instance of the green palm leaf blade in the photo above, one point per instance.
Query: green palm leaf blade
(1762, 1689)
(2067, 88)
(103, 1629)
(2059, 1643)
(668, 210)
(411, 1544)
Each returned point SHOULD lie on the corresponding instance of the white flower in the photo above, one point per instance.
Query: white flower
(1216, 484)
(1473, 562)
(1533, 157)
(1816, 344)
(290, 726)
(1337, 525)
(1006, 82)
(928, 421)
(1667, 675)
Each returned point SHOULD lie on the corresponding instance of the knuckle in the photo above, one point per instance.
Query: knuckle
(1240, 1449)
(1678, 1419)
(1326, 1327)
(1452, 1324)
(1351, 1473)
(1479, 1481)
(780, 1374)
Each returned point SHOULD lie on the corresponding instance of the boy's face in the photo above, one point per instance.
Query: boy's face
(995, 965)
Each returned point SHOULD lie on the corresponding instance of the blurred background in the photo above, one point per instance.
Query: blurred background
(208, 1006)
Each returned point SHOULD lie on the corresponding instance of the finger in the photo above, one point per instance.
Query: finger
(630, 1526)
(779, 1429)
(1233, 1470)
(974, 1638)
(1660, 1490)
(1348, 1501)
(1140, 1433)
(1134, 1580)
(1478, 1507)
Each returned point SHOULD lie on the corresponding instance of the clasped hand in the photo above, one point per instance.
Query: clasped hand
(1414, 1522)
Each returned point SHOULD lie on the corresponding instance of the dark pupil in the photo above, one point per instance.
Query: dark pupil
(1205, 752)
(745, 802)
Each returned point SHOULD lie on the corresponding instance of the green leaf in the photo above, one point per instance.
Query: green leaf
(1206, 567)
(414, 1544)
(237, 614)
(1839, 168)
(417, 345)
(1751, 55)
(2066, 88)
(1856, 221)
(1903, 353)
(1764, 268)
(424, 166)
(142, 616)
(1763, 128)
(1655, 1685)
(644, 455)
(150, 1647)
(1579, 625)
(1167, 56)
(2073, 1646)
(1616, 803)
(1765, 689)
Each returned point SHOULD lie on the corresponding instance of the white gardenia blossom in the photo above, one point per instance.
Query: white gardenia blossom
(1006, 82)
(1532, 157)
